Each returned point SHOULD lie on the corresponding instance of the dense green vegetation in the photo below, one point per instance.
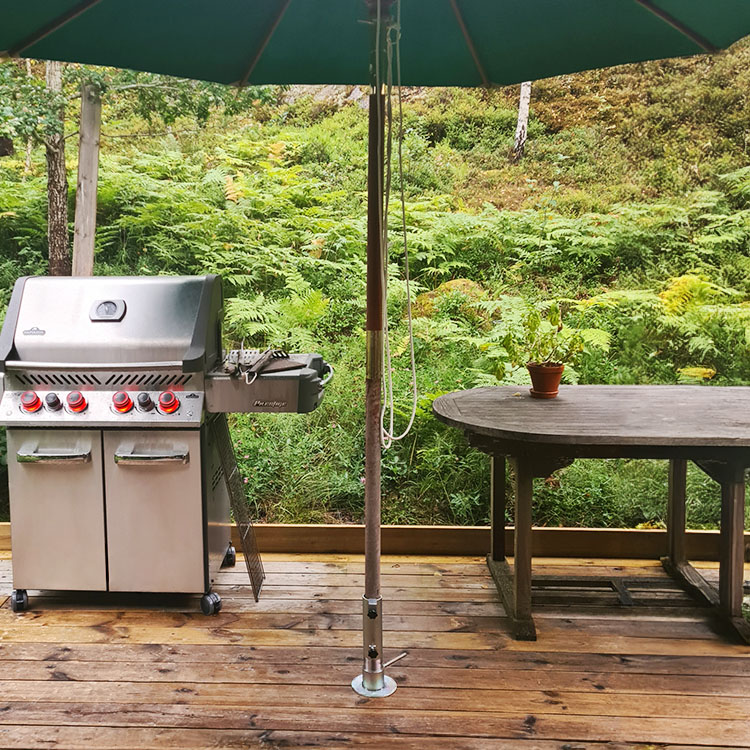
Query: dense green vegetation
(631, 208)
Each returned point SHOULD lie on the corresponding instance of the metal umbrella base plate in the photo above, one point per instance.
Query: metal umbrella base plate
(389, 687)
(373, 682)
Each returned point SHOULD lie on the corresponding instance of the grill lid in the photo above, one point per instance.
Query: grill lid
(126, 320)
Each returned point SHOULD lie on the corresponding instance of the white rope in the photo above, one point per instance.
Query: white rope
(388, 436)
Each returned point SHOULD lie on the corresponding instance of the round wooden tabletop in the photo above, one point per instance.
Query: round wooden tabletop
(640, 415)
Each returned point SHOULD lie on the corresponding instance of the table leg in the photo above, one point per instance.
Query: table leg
(676, 510)
(675, 562)
(514, 585)
(727, 601)
(497, 508)
(522, 547)
(731, 561)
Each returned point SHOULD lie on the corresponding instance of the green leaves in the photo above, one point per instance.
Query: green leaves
(28, 109)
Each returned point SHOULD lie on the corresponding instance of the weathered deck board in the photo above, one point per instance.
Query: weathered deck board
(340, 696)
(599, 727)
(239, 623)
(98, 672)
(243, 674)
(135, 738)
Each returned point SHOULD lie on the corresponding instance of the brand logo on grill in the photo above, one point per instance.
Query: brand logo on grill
(270, 404)
(34, 332)
(192, 395)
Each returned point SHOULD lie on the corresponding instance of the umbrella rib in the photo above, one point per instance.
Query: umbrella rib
(266, 39)
(470, 43)
(675, 23)
(52, 27)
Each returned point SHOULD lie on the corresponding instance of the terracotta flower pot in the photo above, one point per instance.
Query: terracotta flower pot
(545, 379)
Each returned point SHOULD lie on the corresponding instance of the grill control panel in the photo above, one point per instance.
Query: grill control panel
(101, 408)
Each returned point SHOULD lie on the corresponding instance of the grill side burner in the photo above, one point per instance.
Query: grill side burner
(116, 393)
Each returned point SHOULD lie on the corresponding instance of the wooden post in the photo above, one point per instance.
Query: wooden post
(374, 342)
(497, 508)
(373, 682)
(88, 175)
(676, 510)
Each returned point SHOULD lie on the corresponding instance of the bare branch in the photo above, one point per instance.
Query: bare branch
(129, 86)
(150, 134)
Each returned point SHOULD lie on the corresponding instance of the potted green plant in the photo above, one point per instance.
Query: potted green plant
(535, 336)
(549, 346)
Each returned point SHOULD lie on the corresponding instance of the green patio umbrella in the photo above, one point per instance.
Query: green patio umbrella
(443, 43)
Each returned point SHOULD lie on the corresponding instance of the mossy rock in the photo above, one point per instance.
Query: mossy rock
(428, 304)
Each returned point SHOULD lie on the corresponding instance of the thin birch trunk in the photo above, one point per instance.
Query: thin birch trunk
(522, 128)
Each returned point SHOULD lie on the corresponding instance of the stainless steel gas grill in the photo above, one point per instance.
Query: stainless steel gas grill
(120, 466)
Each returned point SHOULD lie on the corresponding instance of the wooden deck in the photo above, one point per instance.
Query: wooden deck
(276, 674)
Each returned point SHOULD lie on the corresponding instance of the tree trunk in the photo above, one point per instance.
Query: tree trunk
(522, 129)
(57, 187)
(88, 172)
(27, 161)
(29, 141)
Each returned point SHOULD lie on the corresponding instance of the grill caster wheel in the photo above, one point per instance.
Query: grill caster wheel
(19, 600)
(210, 604)
(230, 558)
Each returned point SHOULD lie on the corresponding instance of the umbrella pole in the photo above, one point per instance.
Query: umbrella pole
(373, 681)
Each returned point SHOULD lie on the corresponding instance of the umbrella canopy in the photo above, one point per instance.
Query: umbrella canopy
(444, 42)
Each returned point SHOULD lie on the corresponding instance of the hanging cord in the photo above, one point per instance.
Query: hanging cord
(388, 435)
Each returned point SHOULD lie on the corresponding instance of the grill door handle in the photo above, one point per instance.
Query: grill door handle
(35, 456)
(133, 458)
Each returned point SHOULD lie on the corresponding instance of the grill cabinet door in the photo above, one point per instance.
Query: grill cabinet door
(57, 509)
(154, 511)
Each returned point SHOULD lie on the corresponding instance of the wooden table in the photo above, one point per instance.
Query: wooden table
(707, 425)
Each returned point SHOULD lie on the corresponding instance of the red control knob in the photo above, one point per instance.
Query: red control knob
(168, 402)
(30, 401)
(122, 402)
(76, 401)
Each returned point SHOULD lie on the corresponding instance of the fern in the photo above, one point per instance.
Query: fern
(255, 320)
(738, 184)
(688, 291)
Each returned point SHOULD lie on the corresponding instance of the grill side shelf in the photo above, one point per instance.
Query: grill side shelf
(292, 385)
(248, 541)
